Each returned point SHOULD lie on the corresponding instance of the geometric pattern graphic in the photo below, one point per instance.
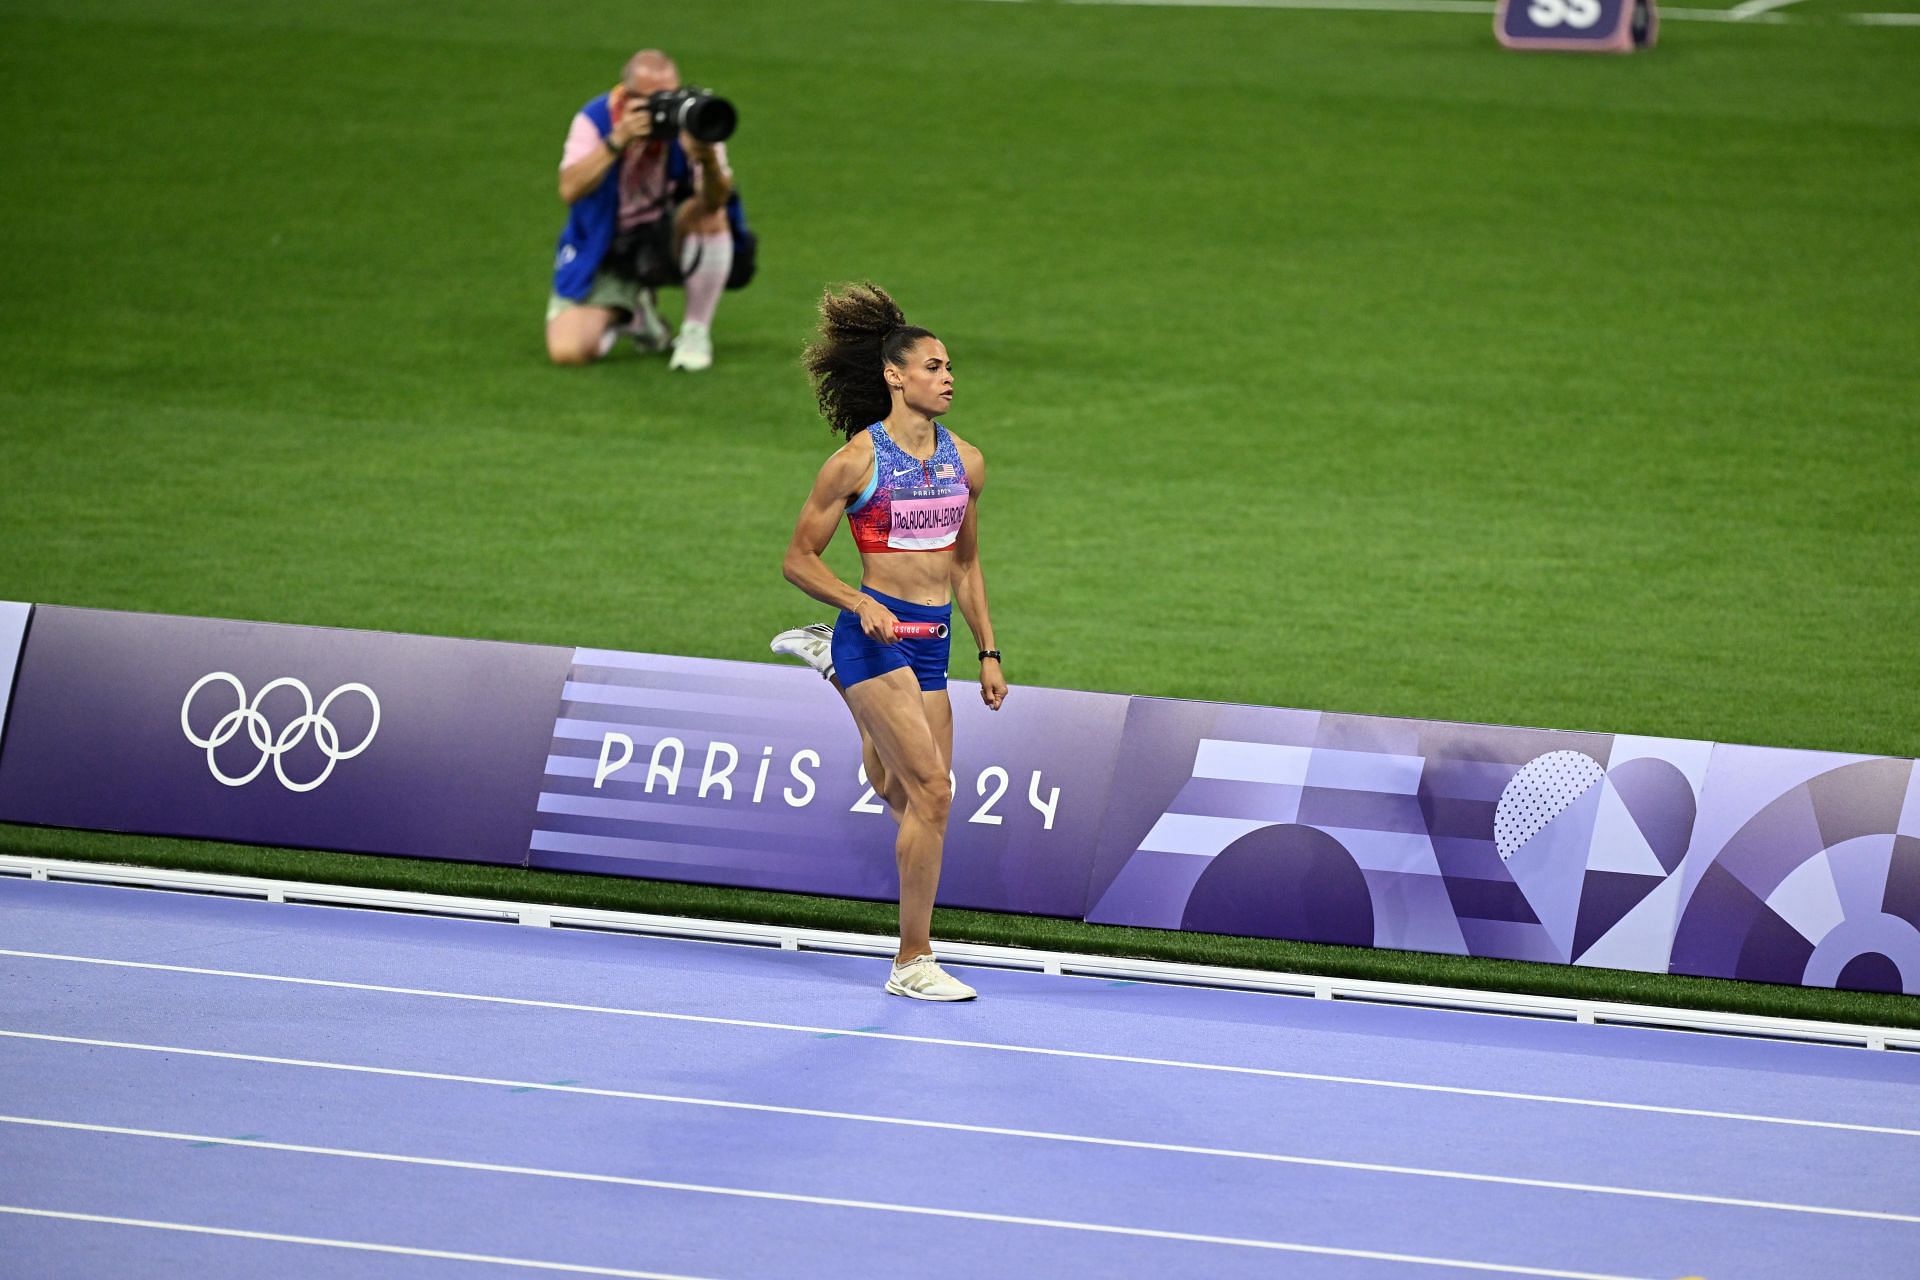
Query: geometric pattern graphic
(1472, 839)
(13, 630)
(1771, 865)
(1811, 875)
(1544, 788)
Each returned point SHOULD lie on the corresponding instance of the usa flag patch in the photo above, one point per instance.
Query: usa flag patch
(944, 471)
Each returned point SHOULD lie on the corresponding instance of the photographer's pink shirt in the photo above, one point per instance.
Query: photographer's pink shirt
(643, 171)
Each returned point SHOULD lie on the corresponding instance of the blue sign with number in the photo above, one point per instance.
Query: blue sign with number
(1599, 26)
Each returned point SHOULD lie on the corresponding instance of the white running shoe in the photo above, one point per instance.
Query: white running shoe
(693, 349)
(650, 333)
(812, 644)
(922, 979)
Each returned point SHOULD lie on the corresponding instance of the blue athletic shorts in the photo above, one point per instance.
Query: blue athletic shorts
(857, 658)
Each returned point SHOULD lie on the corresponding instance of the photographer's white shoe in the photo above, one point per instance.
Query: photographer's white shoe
(693, 349)
(812, 644)
(650, 332)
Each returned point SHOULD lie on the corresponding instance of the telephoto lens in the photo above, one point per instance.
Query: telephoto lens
(692, 110)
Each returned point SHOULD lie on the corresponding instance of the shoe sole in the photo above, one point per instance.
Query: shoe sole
(774, 647)
(895, 989)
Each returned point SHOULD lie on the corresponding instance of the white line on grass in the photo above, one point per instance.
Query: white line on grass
(1753, 8)
(955, 1126)
(876, 1206)
(1723, 15)
(1084, 1055)
(1362, 6)
(360, 1245)
(1477, 7)
(1885, 19)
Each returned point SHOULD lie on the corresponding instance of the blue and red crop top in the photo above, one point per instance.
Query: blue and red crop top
(911, 504)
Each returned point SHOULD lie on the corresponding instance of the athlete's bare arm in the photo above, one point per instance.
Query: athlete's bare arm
(970, 581)
(841, 477)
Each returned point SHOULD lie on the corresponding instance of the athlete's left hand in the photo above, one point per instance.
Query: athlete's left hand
(993, 686)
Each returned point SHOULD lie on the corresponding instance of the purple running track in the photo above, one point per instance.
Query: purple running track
(351, 1092)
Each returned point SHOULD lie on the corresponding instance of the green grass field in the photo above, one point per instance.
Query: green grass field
(1333, 360)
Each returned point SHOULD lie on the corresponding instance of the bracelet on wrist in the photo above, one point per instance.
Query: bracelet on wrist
(607, 142)
(989, 653)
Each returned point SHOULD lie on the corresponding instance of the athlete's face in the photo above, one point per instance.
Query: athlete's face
(925, 379)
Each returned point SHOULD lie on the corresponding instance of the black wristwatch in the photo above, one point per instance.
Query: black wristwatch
(989, 653)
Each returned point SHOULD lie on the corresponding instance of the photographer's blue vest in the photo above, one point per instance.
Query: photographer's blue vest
(591, 220)
(594, 217)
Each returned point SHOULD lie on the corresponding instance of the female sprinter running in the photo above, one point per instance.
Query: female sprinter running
(910, 490)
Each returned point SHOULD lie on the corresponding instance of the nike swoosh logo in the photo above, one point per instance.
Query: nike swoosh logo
(902, 471)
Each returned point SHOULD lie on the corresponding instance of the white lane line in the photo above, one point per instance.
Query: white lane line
(361, 1245)
(955, 1126)
(876, 1206)
(1885, 19)
(1271, 1073)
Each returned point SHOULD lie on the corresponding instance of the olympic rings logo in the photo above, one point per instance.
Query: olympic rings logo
(260, 733)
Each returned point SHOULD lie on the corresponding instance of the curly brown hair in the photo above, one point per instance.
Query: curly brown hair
(861, 329)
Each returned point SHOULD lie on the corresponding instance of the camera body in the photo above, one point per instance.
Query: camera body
(693, 110)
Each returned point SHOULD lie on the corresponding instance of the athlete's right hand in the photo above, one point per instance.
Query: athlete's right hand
(876, 620)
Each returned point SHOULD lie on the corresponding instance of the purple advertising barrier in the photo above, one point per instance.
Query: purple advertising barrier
(749, 774)
(13, 630)
(1529, 844)
(265, 734)
(1659, 854)
(1574, 848)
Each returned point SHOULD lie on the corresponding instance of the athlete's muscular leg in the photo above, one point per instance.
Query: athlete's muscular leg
(940, 721)
(892, 713)
(884, 785)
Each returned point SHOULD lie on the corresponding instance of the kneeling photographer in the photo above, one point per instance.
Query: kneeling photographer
(651, 203)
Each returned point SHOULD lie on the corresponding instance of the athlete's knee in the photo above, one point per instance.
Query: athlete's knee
(930, 800)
